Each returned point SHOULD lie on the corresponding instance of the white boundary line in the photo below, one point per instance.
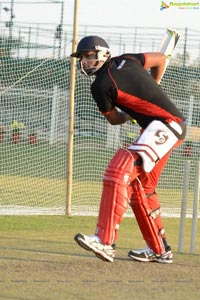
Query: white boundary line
(78, 211)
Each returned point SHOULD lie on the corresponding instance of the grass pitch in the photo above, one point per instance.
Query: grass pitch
(40, 260)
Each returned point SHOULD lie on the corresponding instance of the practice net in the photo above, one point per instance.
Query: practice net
(34, 104)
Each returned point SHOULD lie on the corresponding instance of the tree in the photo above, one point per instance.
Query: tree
(181, 59)
(6, 46)
(196, 62)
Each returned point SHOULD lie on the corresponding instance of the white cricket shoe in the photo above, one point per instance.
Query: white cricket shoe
(147, 255)
(94, 244)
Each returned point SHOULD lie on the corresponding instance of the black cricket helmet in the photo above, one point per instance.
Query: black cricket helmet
(96, 44)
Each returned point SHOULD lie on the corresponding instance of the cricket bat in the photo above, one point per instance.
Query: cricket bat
(168, 44)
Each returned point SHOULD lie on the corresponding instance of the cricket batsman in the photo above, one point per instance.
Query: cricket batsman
(123, 90)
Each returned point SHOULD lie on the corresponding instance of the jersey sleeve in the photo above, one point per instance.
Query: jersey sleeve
(104, 95)
(139, 57)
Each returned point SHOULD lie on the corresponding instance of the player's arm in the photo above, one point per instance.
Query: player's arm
(117, 117)
(112, 114)
(156, 63)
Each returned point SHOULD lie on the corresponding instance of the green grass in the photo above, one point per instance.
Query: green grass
(33, 160)
(44, 160)
(40, 260)
(51, 192)
(35, 175)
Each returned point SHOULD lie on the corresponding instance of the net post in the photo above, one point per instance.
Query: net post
(71, 112)
(195, 208)
(183, 204)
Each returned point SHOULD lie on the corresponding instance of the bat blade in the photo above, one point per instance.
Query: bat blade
(169, 42)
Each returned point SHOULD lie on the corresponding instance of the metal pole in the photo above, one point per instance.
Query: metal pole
(36, 41)
(11, 18)
(29, 42)
(185, 48)
(71, 111)
(190, 116)
(61, 28)
(183, 204)
(195, 208)
(19, 38)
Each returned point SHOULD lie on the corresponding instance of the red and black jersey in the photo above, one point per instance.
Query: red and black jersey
(123, 82)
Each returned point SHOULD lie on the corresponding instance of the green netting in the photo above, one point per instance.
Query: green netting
(34, 92)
